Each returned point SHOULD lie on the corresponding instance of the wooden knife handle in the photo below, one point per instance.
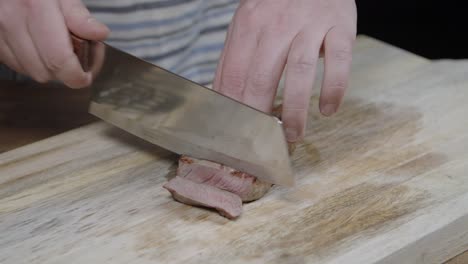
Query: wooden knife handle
(81, 47)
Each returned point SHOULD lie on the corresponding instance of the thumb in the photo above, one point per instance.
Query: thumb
(81, 22)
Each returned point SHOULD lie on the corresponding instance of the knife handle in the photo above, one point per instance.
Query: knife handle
(81, 48)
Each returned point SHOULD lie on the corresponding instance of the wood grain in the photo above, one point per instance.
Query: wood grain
(460, 259)
(383, 181)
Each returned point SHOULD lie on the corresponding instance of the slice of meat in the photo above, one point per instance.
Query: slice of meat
(223, 177)
(188, 192)
(209, 184)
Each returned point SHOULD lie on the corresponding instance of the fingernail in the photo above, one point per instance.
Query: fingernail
(329, 109)
(97, 25)
(92, 20)
(291, 134)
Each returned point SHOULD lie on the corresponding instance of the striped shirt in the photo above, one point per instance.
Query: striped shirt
(183, 36)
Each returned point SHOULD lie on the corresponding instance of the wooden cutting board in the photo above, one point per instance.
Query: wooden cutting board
(383, 181)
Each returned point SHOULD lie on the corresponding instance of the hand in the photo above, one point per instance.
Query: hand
(266, 35)
(35, 41)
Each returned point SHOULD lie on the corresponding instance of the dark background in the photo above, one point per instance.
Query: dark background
(433, 29)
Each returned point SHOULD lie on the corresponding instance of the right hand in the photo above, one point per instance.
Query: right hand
(35, 39)
(267, 38)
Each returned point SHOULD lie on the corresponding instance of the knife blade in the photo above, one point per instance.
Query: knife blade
(182, 116)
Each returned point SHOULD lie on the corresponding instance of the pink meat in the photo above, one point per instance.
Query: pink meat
(185, 191)
(209, 184)
(225, 178)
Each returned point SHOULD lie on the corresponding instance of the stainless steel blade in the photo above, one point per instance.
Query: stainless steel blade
(187, 118)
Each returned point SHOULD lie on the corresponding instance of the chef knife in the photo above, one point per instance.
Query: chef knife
(183, 116)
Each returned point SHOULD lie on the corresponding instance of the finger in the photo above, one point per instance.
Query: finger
(300, 77)
(265, 71)
(338, 48)
(7, 57)
(50, 34)
(81, 22)
(217, 79)
(239, 51)
(98, 50)
(26, 54)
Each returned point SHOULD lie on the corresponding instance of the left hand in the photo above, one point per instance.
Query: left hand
(267, 35)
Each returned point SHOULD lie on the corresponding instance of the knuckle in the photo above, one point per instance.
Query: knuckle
(57, 61)
(260, 79)
(261, 83)
(300, 65)
(342, 54)
(338, 85)
(233, 81)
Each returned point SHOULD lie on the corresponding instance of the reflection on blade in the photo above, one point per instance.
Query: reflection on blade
(186, 118)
